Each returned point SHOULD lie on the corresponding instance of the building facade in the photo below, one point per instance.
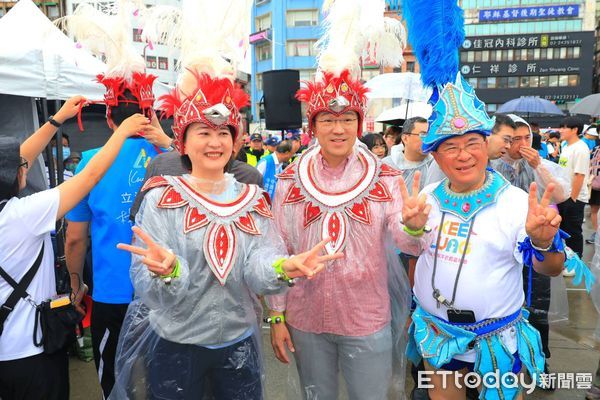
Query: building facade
(284, 33)
(52, 9)
(518, 48)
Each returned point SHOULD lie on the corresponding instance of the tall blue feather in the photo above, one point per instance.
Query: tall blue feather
(435, 31)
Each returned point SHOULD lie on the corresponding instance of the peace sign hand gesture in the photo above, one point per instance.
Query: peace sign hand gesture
(310, 262)
(542, 221)
(158, 259)
(415, 209)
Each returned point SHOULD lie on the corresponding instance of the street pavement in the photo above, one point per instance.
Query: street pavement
(572, 343)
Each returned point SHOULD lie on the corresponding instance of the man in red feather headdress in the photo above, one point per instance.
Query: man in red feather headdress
(106, 209)
(341, 319)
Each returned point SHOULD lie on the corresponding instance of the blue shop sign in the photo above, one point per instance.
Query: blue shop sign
(538, 12)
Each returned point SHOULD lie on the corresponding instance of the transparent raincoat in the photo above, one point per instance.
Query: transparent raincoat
(356, 310)
(200, 333)
(547, 298)
(429, 175)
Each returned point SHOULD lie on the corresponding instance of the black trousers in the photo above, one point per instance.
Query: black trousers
(105, 328)
(39, 377)
(572, 221)
(183, 371)
(540, 304)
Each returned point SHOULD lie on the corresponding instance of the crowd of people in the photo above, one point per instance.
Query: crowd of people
(433, 242)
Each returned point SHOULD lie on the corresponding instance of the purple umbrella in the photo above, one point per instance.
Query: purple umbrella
(530, 105)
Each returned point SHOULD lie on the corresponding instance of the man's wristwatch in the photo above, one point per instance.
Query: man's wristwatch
(54, 122)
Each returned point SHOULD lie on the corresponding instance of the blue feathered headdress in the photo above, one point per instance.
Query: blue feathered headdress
(435, 31)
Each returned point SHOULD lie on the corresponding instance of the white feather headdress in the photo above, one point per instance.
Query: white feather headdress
(107, 33)
(212, 36)
(355, 28)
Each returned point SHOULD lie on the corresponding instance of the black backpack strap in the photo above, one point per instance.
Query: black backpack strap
(20, 289)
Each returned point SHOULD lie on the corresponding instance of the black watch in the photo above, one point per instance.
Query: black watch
(54, 122)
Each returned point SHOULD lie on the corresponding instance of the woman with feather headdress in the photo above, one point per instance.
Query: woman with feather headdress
(207, 245)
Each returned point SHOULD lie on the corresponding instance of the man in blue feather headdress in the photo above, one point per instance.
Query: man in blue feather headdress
(472, 231)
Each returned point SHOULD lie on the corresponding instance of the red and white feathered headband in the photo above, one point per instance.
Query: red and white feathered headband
(336, 95)
(215, 102)
(140, 86)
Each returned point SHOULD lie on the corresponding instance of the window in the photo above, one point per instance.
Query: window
(485, 56)
(463, 56)
(302, 18)
(544, 81)
(163, 63)
(263, 22)
(259, 82)
(502, 82)
(563, 53)
(563, 80)
(470, 56)
(491, 108)
(576, 52)
(308, 74)
(513, 82)
(410, 66)
(137, 35)
(573, 80)
(550, 54)
(491, 82)
(482, 83)
(473, 82)
(524, 82)
(523, 54)
(553, 80)
(151, 62)
(263, 52)
(534, 81)
(300, 48)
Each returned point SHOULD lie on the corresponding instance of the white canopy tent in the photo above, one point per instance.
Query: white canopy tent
(38, 60)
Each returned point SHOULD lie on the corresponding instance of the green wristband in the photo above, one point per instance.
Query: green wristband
(281, 275)
(411, 232)
(276, 319)
(174, 274)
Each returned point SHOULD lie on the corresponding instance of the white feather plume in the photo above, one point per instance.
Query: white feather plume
(107, 34)
(212, 36)
(355, 28)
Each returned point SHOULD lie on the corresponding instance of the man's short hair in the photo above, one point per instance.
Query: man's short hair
(553, 135)
(284, 147)
(503, 120)
(392, 131)
(409, 124)
(573, 122)
(125, 109)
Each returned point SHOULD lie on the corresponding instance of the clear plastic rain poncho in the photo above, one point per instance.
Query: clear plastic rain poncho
(356, 310)
(200, 332)
(429, 175)
(595, 293)
(547, 298)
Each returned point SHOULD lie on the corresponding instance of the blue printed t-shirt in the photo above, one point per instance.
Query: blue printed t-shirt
(106, 207)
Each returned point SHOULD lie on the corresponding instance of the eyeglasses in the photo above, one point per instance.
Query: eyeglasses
(507, 139)
(330, 123)
(453, 151)
(24, 163)
(520, 138)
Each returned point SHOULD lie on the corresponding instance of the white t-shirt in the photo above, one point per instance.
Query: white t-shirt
(24, 224)
(576, 158)
(491, 281)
